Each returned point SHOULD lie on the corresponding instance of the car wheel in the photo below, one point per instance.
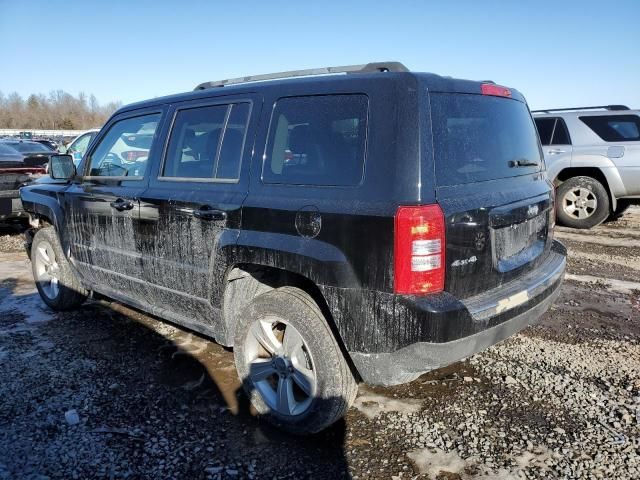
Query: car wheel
(583, 202)
(290, 363)
(56, 282)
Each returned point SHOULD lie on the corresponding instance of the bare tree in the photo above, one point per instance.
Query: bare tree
(58, 110)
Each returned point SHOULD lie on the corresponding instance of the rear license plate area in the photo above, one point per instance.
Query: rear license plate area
(517, 244)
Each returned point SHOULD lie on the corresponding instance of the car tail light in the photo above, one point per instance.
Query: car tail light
(495, 90)
(133, 155)
(419, 255)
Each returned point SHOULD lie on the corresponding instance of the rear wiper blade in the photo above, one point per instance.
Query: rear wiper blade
(523, 163)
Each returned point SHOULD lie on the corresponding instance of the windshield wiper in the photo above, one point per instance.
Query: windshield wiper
(523, 163)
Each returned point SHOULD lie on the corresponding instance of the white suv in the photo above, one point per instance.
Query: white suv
(593, 157)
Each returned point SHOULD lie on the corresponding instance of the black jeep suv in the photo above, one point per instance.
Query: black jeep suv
(370, 226)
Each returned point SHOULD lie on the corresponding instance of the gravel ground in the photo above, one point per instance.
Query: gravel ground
(107, 392)
(10, 239)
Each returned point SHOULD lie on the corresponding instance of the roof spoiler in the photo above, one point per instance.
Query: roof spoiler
(601, 107)
(374, 67)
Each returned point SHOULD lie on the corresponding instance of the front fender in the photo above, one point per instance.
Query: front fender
(43, 201)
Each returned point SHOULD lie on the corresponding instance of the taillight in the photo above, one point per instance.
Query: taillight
(419, 259)
(495, 90)
(133, 155)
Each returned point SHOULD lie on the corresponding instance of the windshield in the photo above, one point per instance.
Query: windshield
(481, 137)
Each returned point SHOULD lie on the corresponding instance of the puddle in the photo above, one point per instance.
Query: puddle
(373, 405)
(437, 463)
(196, 364)
(599, 240)
(434, 461)
(18, 294)
(620, 286)
(620, 261)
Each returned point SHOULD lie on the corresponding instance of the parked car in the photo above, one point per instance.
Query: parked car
(50, 144)
(363, 227)
(14, 174)
(35, 154)
(593, 158)
(79, 145)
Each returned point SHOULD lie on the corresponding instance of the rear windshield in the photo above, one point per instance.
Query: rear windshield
(480, 137)
(30, 147)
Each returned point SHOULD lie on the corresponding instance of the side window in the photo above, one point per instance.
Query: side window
(545, 129)
(81, 144)
(560, 133)
(317, 140)
(228, 164)
(124, 150)
(206, 142)
(614, 128)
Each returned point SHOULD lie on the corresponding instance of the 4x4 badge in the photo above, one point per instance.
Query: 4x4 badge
(532, 211)
(463, 262)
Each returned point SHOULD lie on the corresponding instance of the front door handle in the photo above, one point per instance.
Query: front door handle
(207, 213)
(121, 204)
(555, 151)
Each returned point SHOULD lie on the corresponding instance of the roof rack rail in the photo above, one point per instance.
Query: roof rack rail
(600, 107)
(364, 68)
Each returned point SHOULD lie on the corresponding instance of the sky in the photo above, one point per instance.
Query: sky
(557, 53)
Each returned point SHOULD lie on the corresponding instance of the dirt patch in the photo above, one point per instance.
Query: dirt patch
(560, 400)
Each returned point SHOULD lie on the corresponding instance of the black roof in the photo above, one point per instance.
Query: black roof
(433, 82)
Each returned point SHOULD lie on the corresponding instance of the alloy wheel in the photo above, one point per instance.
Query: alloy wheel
(47, 270)
(580, 203)
(280, 366)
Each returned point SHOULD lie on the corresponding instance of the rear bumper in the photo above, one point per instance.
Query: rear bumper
(11, 205)
(496, 315)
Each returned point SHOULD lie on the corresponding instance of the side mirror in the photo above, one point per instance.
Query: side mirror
(61, 167)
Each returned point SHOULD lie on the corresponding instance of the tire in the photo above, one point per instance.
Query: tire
(583, 202)
(56, 282)
(283, 318)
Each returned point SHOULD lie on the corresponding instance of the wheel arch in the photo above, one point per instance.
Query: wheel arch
(42, 205)
(593, 172)
(245, 281)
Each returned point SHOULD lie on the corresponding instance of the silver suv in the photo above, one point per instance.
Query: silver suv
(593, 157)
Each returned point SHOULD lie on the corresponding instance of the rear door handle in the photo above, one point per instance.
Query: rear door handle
(121, 204)
(207, 213)
(555, 151)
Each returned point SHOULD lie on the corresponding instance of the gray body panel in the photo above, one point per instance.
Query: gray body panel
(618, 161)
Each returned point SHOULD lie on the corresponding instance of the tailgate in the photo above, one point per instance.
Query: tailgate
(491, 186)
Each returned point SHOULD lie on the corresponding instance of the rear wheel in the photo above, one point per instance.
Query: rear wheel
(56, 282)
(583, 202)
(290, 364)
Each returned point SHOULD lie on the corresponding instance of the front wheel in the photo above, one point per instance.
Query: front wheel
(56, 282)
(583, 202)
(290, 363)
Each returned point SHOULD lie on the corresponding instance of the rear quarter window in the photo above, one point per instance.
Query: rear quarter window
(317, 140)
(479, 137)
(545, 129)
(614, 128)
